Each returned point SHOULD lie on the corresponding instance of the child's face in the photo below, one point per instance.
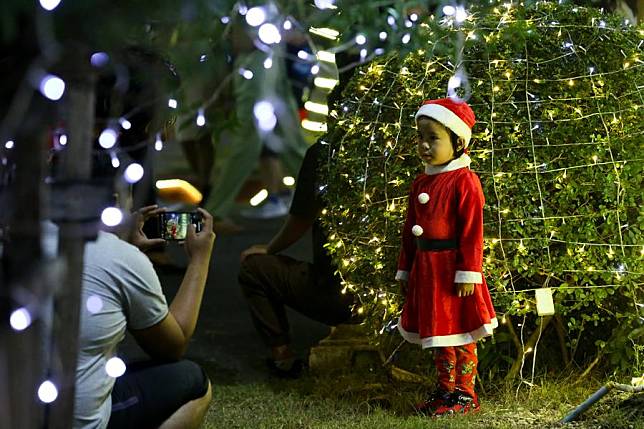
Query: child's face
(434, 142)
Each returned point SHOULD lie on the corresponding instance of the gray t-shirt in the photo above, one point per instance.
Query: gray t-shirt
(120, 290)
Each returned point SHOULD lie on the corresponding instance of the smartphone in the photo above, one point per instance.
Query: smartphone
(174, 225)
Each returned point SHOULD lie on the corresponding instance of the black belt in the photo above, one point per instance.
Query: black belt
(426, 244)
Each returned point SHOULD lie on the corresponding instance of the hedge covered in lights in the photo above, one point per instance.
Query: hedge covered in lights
(558, 94)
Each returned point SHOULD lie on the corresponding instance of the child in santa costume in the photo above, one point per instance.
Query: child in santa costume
(447, 303)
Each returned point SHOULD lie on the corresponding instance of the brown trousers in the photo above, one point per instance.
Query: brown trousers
(272, 282)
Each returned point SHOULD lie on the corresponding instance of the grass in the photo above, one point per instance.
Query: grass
(369, 402)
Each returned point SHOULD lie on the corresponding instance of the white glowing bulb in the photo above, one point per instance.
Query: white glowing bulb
(449, 10)
(591, 70)
(255, 16)
(303, 55)
(158, 143)
(408, 23)
(248, 74)
(406, 38)
(288, 181)
(325, 4)
(287, 25)
(9, 144)
(115, 162)
(125, 123)
(461, 14)
(52, 87)
(62, 139)
(315, 69)
(20, 319)
(413, 17)
(111, 216)
(268, 63)
(94, 304)
(259, 197)
(107, 139)
(265, 114)
(115, 367)
(269, 34)
(47, 392)
(243, 9)
(423, 198)
(49, 4)
(99, 59)
(202, 58)
(225, 19)
(172, 103)
(417, 230)
(201, 119)
(383, 35)
(391, 20)
(133, 173)
(363, 53)
(361, 39)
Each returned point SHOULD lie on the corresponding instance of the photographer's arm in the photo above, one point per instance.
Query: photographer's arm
(169, 338)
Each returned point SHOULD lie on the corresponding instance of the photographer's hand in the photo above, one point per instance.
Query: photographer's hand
(136, 236)
(199, 244)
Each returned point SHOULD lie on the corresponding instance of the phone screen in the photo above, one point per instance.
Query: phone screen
(174, 225)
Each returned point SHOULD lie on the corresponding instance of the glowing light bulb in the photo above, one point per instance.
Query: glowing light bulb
(62, 139)
(133, 173)
(259, 197)
(99, 59)
(268, 63)
(248, 74)
(115, 367)
(303, 55)
(361, 39)
(20, 319)
(265, 114)
(315, 69)
(288, 181)
(406, 38)
(49, 4)
(449, 10)
(172, 103)
(225, 19)
(287, 25)
(52, 87)
(125, 124)
(255, 16)
(47, 392)
(201, 119)
(108, 138)
(382, 35)
(9, 144)
(111, 216)
(269, 34)
(158, 143)
(94, 304)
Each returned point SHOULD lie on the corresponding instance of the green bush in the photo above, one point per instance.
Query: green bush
(557, 91)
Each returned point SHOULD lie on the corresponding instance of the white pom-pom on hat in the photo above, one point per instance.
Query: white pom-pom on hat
(423, 198)
(417, 230)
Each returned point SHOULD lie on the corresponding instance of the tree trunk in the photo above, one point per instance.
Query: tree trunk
(75, 166)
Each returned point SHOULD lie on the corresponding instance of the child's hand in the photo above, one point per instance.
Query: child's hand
(464, 289)
(403, 287)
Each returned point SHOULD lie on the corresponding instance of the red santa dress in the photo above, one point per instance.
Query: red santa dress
(445, 203)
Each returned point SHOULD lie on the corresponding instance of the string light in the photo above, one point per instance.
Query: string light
(158, 143)
(115, 367)
(9, 144)
(20, 319)
(133, 173)
(52, 87)
(47, 392)
(107, 139)
(49, 5)
(201, 119)
(111, 216)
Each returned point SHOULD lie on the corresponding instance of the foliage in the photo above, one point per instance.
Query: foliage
(558, 95)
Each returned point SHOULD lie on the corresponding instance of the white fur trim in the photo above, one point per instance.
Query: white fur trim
(402, 275)
(448, 118)
(462, 161)
(449, 340)
(468, 277)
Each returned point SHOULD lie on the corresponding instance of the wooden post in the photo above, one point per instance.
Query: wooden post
(21, 352)
(75, 166)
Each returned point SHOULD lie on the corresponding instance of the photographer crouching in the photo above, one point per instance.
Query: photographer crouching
(121, 291)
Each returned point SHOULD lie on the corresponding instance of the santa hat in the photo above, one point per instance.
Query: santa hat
(455, 115)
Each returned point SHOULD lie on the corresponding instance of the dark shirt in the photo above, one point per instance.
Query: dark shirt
(308, 203)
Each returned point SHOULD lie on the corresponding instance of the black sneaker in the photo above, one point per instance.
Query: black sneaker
(294, 372)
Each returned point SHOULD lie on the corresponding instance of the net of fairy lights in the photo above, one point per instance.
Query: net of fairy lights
(557, 91)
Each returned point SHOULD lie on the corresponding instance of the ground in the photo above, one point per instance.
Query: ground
(226, 344)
